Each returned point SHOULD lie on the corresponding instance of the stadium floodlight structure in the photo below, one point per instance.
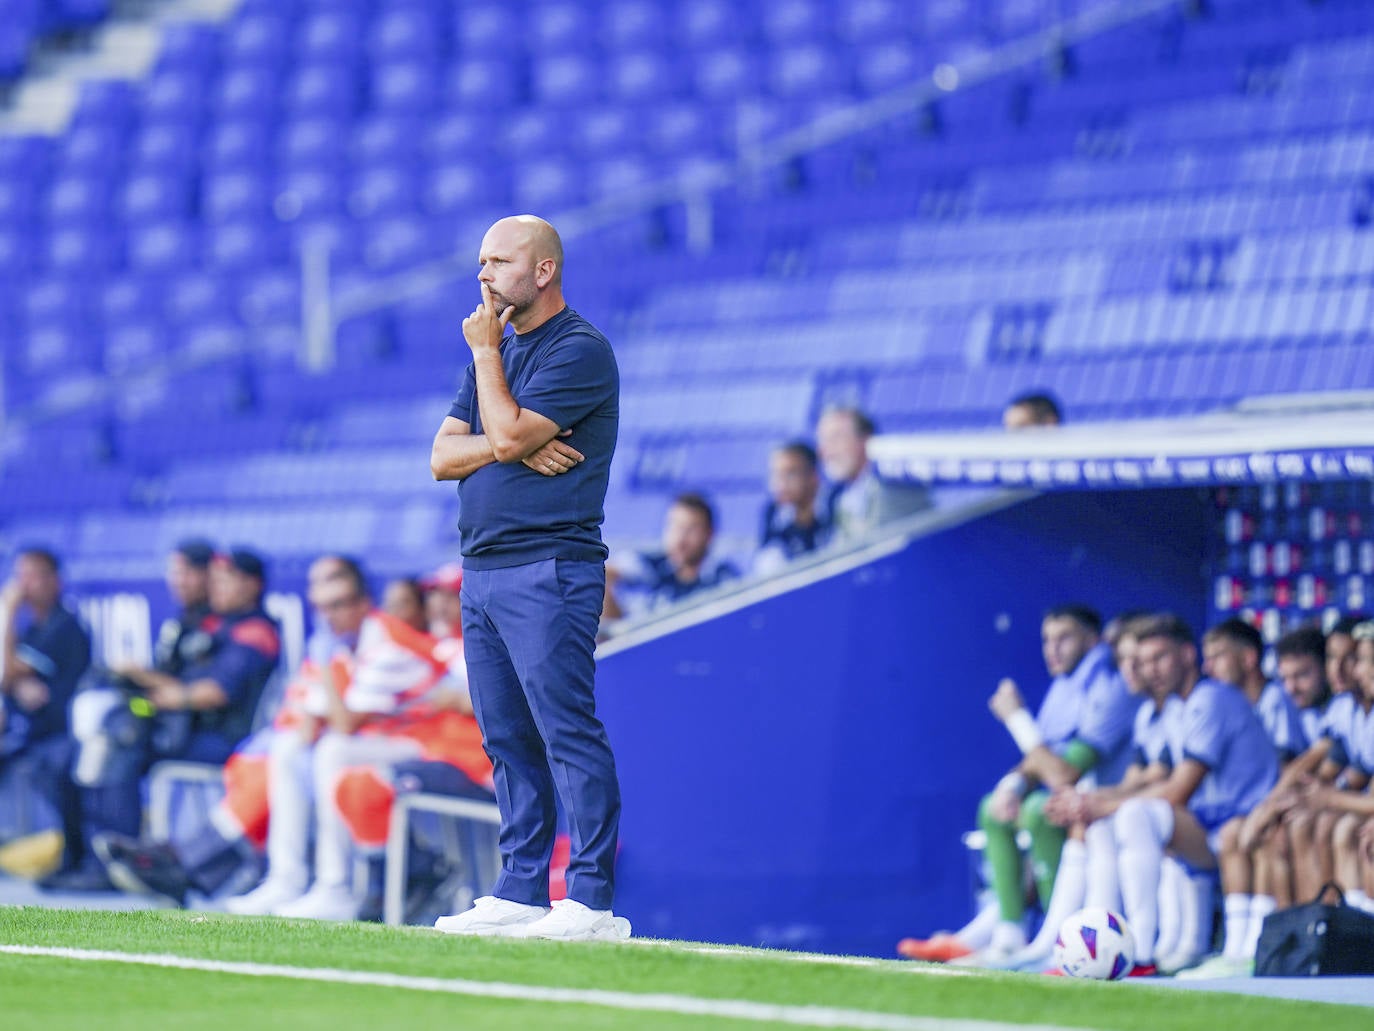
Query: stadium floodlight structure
(323, 308)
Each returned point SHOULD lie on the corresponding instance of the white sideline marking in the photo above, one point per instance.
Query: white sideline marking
(897, 966)
(737, 1009)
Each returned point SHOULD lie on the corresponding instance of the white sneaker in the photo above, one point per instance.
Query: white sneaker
(266, 898)
(1219, 967)
(1177, 962)
(492, 917)
(571, 921)
(322, 902)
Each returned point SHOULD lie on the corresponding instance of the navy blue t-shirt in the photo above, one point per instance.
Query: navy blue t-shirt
(511, 515)
(59, 650)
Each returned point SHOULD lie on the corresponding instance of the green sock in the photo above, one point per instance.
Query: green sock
(1005, 860)
(1047, 843)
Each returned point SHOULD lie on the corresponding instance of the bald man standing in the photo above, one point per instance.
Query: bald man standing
(529, 440)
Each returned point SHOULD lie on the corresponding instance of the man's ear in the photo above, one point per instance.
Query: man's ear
(544, 271)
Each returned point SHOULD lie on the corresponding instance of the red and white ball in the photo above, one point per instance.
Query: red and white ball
(1095, 943)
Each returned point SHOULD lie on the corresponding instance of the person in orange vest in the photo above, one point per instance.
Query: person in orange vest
(454, 762)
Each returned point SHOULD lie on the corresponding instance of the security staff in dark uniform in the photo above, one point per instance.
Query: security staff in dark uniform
(198, 713)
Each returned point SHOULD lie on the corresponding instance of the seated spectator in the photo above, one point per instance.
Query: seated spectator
(1084, 724)
(215, 678)
(637, 584)
(858, 501)
(236, 830)
(1223, 764)
(404, 598)
(793, 524)
(376, 716)
(44, 656)
(1033, 408)
(453, 760)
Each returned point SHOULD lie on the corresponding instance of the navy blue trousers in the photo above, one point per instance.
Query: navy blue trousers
(529, 633)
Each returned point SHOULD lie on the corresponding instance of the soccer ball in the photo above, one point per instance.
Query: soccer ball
(1095, 943)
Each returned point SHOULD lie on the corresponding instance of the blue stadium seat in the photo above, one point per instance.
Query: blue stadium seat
(311, 193)
(248, 93)
(236, 145)
(198, 299)
(188, 46)
(632, 26)
(111, 103)
(407, 32)
(331, 36)
(645, 77)
(705, 26)
(270, 297)
(557, 26)
(243, 245)
(795, 21)
(176, 95)
(129, 299)
(315, 142)
(455, 187)
(236, 194)
(258, 39)
(132, 346)
(808, 70)
(866, 21)
(323, 90)
(86, 248)
(18, 201)
(728, 73)
(387, 137)
(152, 196)
(88, 149)
(166, 246)
(485, 82)
(551, 185)
(166, 147)
(405, 87)
(384, 189)
(402, 240)
(567, 80)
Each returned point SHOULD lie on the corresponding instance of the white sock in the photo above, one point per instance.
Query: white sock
(1260, 907)
(1143, 827)
(977, 933)
(1065, 900)
(1359, 900)
(1007, 937)
(1195, 937)
(1237, 910)
(1173, 900)
(1103, 884)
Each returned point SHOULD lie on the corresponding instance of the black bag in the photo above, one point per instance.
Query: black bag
(1316, 939)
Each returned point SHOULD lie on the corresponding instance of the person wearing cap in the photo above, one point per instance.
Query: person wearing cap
(215, 689)
(46, 650)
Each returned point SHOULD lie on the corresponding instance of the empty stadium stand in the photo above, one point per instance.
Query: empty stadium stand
(1160, 218)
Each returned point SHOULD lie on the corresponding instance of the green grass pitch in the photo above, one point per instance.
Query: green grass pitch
(50, 993)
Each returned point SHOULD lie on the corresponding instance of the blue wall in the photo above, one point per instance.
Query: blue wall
(797, 774)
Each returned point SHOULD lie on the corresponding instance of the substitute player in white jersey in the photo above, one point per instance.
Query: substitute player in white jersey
(1347, 810)
(1223, 765)
(1083, 724)
(1154, 728)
